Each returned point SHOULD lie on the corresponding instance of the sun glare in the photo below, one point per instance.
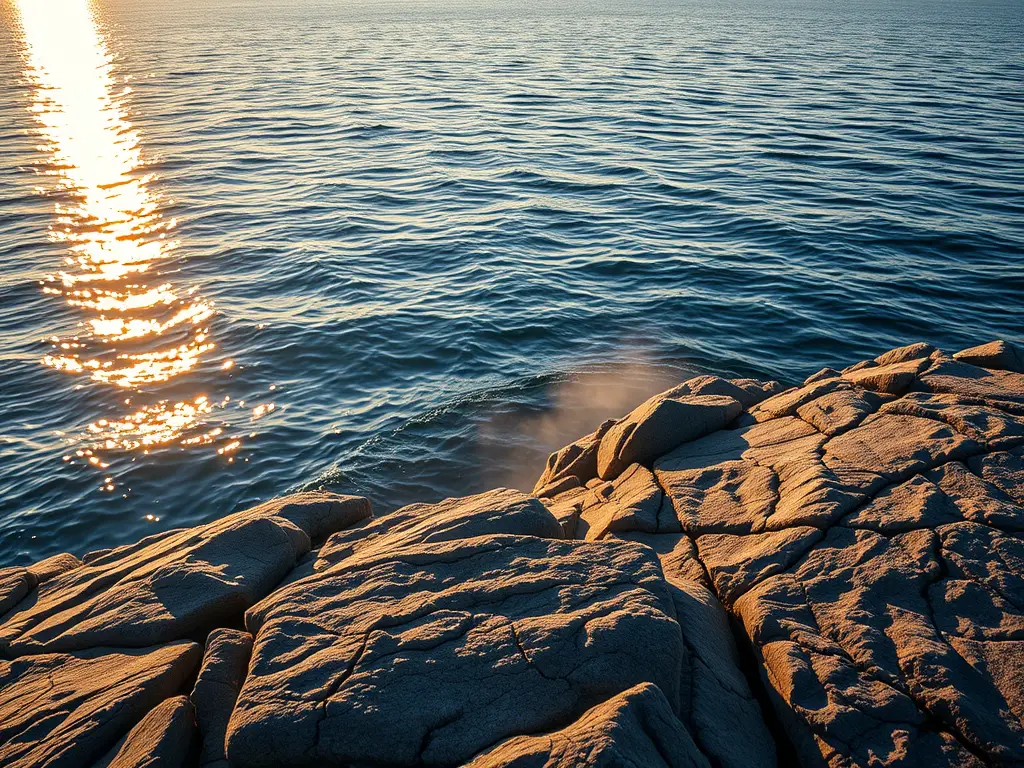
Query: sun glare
(136, 329)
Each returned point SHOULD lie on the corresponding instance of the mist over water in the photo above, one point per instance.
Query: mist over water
(406, 250)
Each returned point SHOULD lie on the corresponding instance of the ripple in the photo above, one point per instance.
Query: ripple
(439, 240)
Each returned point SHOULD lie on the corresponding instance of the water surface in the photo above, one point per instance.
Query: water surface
(406, 250)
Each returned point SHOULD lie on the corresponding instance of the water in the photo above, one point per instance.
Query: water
(405, 251)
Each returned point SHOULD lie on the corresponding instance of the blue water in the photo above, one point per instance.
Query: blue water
(443, 238)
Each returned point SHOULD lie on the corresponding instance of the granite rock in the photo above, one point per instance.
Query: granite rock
(165, 738)
(635, 728)
(498, 511)
(225, 664)
(472, 641)
(69, 709)
(176, 584)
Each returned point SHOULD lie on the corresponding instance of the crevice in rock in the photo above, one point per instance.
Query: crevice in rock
(750, 666)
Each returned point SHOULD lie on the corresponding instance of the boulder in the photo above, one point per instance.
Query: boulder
(631, 502)
(69, 709)
(166, 738)
(54, 566)
(225, 664)
(658, 426)
(573, 465)
(890, 379)
(1000, 355)
(499, 511)
(472, 641)
(175, 585)
(635, 728)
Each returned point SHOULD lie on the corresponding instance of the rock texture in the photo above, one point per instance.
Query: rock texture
(497, 511)
(170, 586)
(635, 728)
(166, 738)
(70, 709)
(732, 575)
(225, 664)
(471, 641)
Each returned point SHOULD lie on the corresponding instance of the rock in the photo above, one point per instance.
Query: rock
(53, 566)
(971, 417)
(917, 351)
(166, 738)
(15, 584)
(225, 664)
(472, 641)
(822, 375)
(631, 502)
(899, 446)
(576, 461)
(70, 709)
(747, 392)
(635, 728)
(171, 586)
(658, 426)
(676, 552)
(839, 411)
(786, 403)
(1003, 389)
(891, 379)
(1000, 355)
(498, 511)
(725, 719)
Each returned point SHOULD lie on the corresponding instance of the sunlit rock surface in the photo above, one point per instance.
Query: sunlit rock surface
(731, 575)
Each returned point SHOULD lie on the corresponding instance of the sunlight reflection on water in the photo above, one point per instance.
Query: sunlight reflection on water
(136, 330)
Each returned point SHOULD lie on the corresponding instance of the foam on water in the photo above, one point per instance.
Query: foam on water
(419, 245)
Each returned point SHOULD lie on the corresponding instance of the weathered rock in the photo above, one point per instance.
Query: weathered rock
(631, 502)
(786, 403)
(70, 709)
(839, 411)
(747, 392)
(917, 351)
(724, 718)
(171, 586)
(1000, 355)
(15, 584)
(974, 418)
(471, 641)
(225, 664)
(53, 566)
(1004, 389)
(166, 738)
(635, 728)
(577, 461)
(890, 379)
(824, 373)
(658, 426)
(498, 511)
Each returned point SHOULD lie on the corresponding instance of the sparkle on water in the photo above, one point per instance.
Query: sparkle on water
(406, 248)
(136, 329)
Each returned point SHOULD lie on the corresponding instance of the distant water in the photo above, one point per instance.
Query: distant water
(406, 250)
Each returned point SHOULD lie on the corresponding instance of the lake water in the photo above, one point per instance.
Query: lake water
(406, 250)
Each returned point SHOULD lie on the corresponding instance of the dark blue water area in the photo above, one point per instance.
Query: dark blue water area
(445, 238)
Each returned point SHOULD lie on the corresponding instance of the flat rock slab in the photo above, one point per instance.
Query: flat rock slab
(70, 709)
(499, 511)
(635, 728)
(166, 738)
(432, 653)
(175, 584)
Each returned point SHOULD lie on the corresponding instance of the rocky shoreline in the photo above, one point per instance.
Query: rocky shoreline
(732, 575)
